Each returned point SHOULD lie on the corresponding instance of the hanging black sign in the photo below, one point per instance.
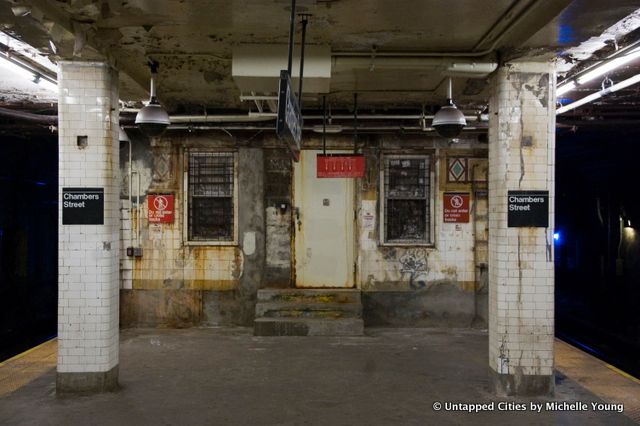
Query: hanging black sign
(83, 206)
(528, 209)
(289, 125)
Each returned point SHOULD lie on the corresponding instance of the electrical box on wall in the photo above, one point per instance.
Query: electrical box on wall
(134, 251)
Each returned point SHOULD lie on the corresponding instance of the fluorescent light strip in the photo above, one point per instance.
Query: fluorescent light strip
(27, 73)
(16, 69)
(607, 66)
(599, 70)
(592, 97)
(567, 87)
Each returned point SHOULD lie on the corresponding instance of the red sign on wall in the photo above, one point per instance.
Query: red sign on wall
(456, 207)
(160, 208)
(339, 166)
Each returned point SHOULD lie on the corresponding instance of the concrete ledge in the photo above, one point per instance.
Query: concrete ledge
(438, 304)
(184, 308)
(160, 308)
(87, 383)
(520, 384)
(308, 327)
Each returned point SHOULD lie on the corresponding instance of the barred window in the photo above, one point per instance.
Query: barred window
(211, 196)
(407, 194)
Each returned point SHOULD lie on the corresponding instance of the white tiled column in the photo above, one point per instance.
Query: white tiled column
(88, 294)
(521, 286)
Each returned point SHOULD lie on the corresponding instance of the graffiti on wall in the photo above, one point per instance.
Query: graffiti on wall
(413, 266)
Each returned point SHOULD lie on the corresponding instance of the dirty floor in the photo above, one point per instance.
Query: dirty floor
(226, 376)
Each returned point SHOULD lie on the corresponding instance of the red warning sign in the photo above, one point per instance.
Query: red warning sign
(456, 207)
(160, 208)
(339, 166)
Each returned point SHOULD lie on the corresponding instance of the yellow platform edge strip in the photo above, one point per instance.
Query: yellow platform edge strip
(28, 351)
(622, 373)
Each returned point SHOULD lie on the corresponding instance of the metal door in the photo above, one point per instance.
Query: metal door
(324, 218)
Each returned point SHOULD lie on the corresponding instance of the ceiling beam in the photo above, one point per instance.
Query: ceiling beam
(87, 36)
(519, 23)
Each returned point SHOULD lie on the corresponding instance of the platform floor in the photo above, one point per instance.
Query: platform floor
(226, 376)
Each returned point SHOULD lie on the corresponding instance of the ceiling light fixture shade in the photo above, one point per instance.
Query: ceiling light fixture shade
(152, 120)
(449, 120)
(122, 135)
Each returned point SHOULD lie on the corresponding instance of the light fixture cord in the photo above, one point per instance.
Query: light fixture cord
(355, 123)
(153, 66)
(152, 91)
(302, 43)
(292, 23)
(324, 125)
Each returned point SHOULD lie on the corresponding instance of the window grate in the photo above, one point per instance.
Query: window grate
(210, 182)
(407, 199)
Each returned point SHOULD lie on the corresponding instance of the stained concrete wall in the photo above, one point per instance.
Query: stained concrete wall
(177, 285)
(277, 177)
(429, 285)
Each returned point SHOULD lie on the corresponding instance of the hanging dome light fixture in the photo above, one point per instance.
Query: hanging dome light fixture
(152, 120)
(449, 120)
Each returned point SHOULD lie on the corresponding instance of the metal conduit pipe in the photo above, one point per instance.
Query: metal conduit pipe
(315, 130)
(268, 116)
(515, 20)
(362, 117)
(448, 65)
(28, 116)
(238, 118)
(218, 118)
(250, 118)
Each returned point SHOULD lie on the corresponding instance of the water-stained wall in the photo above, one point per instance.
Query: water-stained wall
(177, 284)
(433, 284)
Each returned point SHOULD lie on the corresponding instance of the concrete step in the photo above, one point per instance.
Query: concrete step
(309, 295)
(308, 327)
(308, 310)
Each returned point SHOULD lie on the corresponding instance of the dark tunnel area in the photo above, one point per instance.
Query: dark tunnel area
(28, 240)
(597, 248)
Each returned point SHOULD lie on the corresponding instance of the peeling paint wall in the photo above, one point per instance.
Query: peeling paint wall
(428, 285)
(521, 297)
(175, 283)
(277, 176)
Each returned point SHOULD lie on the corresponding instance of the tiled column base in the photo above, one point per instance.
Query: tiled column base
(86, 383)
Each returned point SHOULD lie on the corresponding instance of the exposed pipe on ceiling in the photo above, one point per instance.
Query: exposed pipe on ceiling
(470, 54)
(312, 128)
(27, 116)
(238, 118)
(362, 117)
(448, 65)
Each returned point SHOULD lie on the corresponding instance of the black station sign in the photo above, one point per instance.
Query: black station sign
(289, 125)
(83, 206)
(528, 209)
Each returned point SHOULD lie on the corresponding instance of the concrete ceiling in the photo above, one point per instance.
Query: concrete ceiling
(193, 41)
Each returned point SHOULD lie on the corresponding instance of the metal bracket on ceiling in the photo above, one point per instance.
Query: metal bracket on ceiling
(80, 37)
(258, 102)
(423, 118)
(606, 81)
